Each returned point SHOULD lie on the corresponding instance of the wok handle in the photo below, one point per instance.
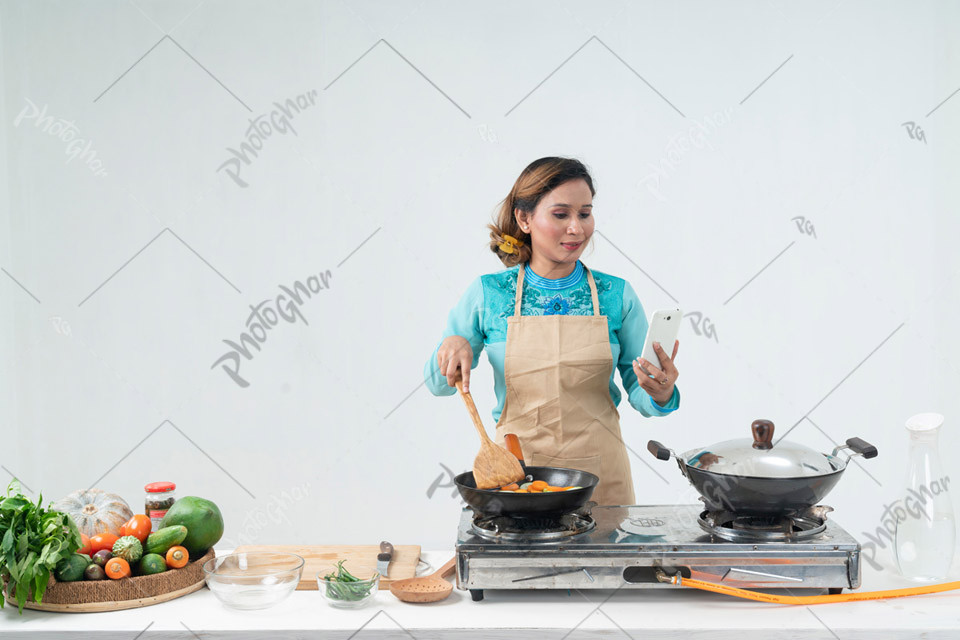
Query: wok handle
(862, 447)
(659, 451)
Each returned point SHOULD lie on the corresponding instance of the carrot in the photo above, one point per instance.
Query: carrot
(117, 568)
(513, 486)
(177, 557)
(538, 485)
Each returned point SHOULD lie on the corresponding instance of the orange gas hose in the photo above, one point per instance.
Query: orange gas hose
(840, 597)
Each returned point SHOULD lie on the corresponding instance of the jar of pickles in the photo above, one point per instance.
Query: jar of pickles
(160, 496)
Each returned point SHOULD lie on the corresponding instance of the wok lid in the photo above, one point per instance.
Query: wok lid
(758, 457)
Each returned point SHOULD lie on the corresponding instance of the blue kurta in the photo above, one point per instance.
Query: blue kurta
(481, 317)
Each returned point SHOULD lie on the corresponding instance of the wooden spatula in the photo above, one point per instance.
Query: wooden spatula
(494, 466)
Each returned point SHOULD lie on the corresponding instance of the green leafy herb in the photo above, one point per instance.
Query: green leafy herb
(32, 541)
(343, 585)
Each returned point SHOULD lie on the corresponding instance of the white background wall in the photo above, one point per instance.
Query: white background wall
(118, 289)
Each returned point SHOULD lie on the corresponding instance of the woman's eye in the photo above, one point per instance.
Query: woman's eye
(560, 215)
(584, 214)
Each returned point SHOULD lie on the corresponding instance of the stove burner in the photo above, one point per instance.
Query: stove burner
(792, 527)
(501, 528)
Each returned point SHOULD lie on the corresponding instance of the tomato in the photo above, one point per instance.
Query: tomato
(117, 568)
(139, 526)
(85, 545)
(102, 541)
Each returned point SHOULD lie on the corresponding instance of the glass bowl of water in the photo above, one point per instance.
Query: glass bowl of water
(254, 580)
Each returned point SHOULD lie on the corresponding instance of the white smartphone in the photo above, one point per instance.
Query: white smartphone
(664, 328)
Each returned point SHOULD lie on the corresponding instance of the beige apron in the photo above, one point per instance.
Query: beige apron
(557, 370)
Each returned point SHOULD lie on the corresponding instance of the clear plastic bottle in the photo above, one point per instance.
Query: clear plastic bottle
(926, 529)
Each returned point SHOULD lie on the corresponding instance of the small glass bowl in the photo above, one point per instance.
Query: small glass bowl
(347, 595)
(254, 580)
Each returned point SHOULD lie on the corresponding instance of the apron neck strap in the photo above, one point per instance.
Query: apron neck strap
(590, 281)
(593, 291)
(520, 270)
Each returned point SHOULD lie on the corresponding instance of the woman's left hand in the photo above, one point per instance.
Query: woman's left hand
(660, 386)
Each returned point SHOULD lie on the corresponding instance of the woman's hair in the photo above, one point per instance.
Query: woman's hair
(537, 180)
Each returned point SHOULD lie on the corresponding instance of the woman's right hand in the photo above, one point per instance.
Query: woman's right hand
(455, 353)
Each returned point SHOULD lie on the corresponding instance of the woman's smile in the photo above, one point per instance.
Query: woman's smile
(571, 246)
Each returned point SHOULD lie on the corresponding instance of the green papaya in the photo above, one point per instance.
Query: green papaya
(202, 519)
(162, 539)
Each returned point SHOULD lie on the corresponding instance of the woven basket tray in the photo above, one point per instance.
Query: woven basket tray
(85, 596)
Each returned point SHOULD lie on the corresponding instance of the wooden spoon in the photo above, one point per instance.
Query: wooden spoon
(425, 588)
(494, 466)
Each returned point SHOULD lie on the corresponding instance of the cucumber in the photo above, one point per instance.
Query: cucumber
(70, 569)
(152, 563)
(161, 540)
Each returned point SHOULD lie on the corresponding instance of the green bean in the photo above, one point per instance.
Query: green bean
(343, 585)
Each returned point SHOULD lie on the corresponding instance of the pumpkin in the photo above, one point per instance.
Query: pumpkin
(95, 511)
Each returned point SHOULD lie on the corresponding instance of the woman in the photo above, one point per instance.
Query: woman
(553, 330)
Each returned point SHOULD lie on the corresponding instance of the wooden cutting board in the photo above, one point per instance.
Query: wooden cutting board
(361, 560)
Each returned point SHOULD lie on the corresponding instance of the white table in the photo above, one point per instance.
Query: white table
(634, 613)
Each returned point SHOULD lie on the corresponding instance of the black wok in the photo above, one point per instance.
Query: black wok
(520, 505)
(749, 495)
(755, 477)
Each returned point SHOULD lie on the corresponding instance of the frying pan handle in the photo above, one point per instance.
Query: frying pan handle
(513, 445)
(862, 447)
(659, 451)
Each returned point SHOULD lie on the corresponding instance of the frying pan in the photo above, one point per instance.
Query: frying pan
(531, 505)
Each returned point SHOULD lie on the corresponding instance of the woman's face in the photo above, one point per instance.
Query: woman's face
(562, 222)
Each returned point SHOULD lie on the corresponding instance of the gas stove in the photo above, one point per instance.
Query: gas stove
(613, 547)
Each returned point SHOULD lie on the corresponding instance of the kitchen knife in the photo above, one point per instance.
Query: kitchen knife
(384, 558)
